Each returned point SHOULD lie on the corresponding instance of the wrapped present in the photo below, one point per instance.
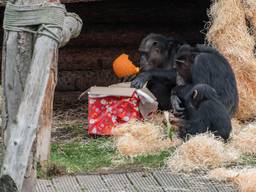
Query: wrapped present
(110, 106)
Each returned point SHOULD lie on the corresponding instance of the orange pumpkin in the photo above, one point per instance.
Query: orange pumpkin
(123, 67)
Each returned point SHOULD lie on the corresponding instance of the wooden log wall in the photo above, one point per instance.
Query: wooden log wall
(112, 27)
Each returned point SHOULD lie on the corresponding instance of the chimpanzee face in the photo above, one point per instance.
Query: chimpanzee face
(183, 66)
(154, 53)
(184, 60)
(194, 98)
(200, 93)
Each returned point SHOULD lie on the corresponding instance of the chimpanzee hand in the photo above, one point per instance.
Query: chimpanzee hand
(140, 80)
(178, 111)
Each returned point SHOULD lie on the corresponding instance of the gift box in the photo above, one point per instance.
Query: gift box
(116, 104)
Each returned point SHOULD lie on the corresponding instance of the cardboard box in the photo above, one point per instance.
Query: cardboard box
(110, 106)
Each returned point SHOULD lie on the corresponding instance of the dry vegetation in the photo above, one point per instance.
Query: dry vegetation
(245, 178)
(229, 33)
(138, 138)
(202, 152)
(232, 30)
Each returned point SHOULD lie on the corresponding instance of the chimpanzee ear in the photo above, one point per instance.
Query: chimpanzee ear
(194, 94)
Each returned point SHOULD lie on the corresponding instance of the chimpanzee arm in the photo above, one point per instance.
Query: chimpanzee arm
(177, 97)
(143, 77)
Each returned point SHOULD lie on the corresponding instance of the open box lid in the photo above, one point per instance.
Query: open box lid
(111, 91)
(120, 89)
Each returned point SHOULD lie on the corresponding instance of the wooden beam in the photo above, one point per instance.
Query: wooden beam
(21, 129)
(82, 80)
(43, 139)
(3, 2)
(78, 59)
(71, 29)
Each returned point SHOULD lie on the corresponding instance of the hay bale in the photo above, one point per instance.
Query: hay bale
(137, 138)
(156, 118)
(236, 127)
(228, 33)
(245, 140)
(245, 179)
(250, 12)
(201, 152)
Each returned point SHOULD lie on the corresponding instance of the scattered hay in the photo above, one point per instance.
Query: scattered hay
(228, 32)
(250, 12)
(236, 127)
(201, 152)
(245, 179)
(137, 138)
(245, 141)
(156, 118)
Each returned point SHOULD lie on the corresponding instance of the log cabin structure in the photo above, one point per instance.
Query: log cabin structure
(111, 28)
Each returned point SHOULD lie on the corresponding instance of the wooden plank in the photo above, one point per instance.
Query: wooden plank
(66, 184)
(45, 120)
(152, 12)
(69, 98)
(170, 181)
(197, 183)
(82, 80)
(74, 58)
(144, 181)
(44, 186)
(105, 36)
(118, 182)
(92, 183)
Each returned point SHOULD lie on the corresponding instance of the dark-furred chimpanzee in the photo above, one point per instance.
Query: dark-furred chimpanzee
(156, 63)
(204, 112)
(204, 64)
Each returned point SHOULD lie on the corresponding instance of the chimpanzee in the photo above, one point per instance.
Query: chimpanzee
(204, 64)
(204, 112)
(156, 63)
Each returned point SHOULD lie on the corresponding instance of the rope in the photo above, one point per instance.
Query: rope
(47, 16)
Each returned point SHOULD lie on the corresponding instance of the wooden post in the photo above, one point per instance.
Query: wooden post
(22, 111)
(71, 29)
(45, 120)
(16, 59)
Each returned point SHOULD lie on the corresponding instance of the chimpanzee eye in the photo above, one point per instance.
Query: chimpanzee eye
(144, 54)
(154, 43)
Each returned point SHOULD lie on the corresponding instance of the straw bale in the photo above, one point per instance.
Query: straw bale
(201, 152)
(245, 141)
(228, 32)
(245, 178)
(136, 138)
(236, 127)
(250, 11)
(156, 118)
